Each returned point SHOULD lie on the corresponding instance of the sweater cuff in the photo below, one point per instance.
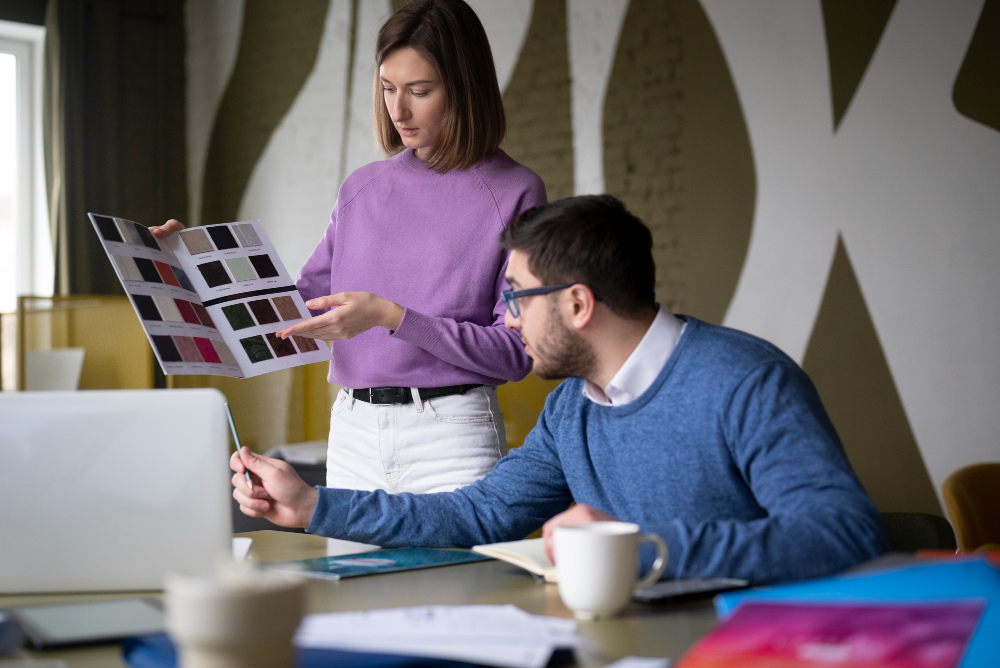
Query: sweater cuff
(415, 328)
(329, 519)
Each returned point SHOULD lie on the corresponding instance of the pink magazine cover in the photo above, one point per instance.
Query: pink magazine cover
(783, 635)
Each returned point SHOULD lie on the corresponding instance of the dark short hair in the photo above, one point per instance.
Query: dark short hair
(593, 240)
(448, 35)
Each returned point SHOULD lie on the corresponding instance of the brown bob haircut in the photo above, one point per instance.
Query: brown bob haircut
(593, 240)
(448, 34)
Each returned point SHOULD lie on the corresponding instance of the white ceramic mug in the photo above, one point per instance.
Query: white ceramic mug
(240, 618)
(597, 566)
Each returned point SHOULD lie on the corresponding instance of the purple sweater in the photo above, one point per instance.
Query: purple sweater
(428, 242)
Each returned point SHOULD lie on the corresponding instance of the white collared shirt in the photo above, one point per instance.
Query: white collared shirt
(643, 365)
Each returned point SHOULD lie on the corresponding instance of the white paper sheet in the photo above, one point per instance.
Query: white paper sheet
(241, 548)
(640, 662)
(486, 634)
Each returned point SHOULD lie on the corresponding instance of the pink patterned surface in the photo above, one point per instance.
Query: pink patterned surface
(901, 635)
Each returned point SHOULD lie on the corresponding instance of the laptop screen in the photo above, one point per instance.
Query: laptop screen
(111, 490)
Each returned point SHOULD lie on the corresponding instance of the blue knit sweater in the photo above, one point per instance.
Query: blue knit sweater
(729, 456)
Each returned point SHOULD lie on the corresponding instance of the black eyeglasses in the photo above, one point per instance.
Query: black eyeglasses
(511, 296)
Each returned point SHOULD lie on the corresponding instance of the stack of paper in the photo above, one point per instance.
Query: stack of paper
(483, 634)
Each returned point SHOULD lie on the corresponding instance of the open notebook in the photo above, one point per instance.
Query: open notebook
(110, 490)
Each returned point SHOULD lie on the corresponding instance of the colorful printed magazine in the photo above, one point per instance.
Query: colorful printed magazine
(787, 634)
(377, 561)
(956, 579)
(210, 298)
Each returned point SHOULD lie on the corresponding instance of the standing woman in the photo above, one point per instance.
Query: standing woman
(407, 280)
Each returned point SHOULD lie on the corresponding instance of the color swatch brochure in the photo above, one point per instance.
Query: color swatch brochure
(210, 298)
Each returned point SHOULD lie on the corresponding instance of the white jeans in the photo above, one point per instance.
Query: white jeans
(430, 445)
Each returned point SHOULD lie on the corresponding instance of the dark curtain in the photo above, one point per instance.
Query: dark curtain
(113, 117)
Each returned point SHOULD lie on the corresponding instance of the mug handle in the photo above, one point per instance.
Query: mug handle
(659, 565)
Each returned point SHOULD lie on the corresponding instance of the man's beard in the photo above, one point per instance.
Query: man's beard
(561, 352)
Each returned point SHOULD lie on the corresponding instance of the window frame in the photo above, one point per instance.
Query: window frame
(35, 265)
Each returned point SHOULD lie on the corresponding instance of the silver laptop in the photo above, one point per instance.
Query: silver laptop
(111, 490)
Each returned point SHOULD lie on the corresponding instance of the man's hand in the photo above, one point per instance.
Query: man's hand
(578, 514)
(278, 495)
(166, 229)
(354, 312)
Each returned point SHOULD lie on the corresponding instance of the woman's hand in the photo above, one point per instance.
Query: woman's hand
(354, 312)
(166, 229)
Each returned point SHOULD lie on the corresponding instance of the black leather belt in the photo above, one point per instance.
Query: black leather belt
(403, 395)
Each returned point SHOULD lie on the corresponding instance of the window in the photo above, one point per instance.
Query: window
(26, 265)
(25, 248)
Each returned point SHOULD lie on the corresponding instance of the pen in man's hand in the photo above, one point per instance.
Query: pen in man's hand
(236, 438)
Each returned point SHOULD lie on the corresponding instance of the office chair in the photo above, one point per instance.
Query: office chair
(972, 496)
(909, 532)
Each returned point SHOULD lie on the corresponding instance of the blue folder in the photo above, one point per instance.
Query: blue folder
(377, 561)
(951, 579)
(157, 651)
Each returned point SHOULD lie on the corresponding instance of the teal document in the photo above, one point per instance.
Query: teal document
(378, 561)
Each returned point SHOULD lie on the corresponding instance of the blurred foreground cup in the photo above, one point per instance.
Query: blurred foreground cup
(240, 618)
(598, 565)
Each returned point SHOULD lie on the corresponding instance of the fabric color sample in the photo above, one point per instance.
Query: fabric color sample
(188, 348)
(168, 309)
(224, 353)
(164, 247)
(281, 347)
(187, 312)
(197, 241)
(126, 265)
(207, 351)
(183, 278)
(305, 344)
(128, 231)
(203, 315)
(147, 237)
(240, 269)
(250, 234)
(238, 316)
(147, 309)
(239, 235)
(286, 308)
(148, 270)
(166, 273)
(256, 349)
(263, 311)
(264, 266)
(167, 350)
(109, 231)
(222, 237)
(214, 273)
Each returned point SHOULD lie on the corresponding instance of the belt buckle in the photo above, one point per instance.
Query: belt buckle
(386, 395)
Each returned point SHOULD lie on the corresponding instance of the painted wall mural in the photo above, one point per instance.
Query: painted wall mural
(822, 174)
(904, 180)
(676, 150)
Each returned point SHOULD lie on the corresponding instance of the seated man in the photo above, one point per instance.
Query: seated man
(710, 437)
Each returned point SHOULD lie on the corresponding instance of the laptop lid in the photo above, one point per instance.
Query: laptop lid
(111, 490)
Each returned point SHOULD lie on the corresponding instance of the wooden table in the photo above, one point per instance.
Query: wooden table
(642, 630)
